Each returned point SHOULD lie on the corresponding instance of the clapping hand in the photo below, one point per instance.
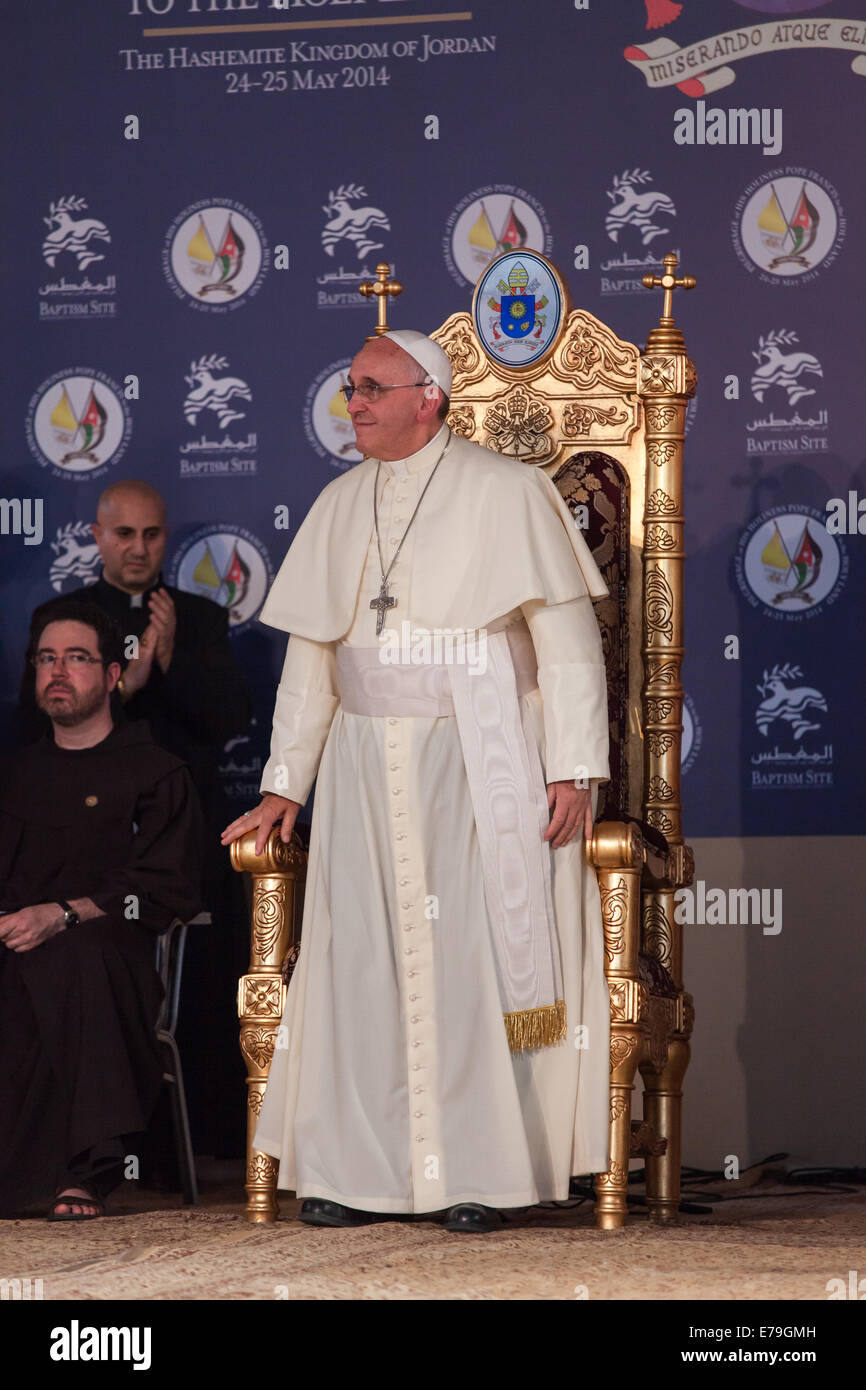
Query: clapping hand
(138, 669)
(163, 621)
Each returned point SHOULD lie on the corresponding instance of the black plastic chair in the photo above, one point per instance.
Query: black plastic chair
(169, 966)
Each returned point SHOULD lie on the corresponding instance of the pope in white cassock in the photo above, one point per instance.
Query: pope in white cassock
(447, 1022)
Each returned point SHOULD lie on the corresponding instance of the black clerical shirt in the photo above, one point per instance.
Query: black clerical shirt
(105, 822)
(80, 1066)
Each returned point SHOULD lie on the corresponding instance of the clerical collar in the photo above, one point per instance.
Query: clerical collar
(423, 458)
(121, 599)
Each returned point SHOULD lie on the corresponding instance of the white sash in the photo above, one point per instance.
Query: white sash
(509, 801)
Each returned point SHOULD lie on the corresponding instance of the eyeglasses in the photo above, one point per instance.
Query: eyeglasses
(369, 391)
(74, 660)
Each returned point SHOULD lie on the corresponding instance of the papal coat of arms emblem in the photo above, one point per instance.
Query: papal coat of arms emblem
(518, 307)
(517, 310)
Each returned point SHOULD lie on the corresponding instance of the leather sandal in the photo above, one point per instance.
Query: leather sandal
(67, 1199)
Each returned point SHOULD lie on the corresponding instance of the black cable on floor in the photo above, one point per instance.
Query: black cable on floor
(814, 1182)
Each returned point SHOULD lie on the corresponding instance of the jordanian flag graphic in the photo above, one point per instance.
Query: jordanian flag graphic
(230, 255)
(235, 579)
(514, 232)
(804, 223)
(92, 422)
(90, 426)
(806, 564)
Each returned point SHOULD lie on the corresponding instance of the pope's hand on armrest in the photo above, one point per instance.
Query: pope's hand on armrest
(571, 812)
(270, 809)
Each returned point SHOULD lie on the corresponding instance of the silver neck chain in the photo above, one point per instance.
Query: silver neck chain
(385, 572)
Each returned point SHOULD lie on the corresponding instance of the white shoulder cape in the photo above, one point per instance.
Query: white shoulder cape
(491, 534)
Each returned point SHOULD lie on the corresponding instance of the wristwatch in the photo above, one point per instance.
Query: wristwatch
(70, 916)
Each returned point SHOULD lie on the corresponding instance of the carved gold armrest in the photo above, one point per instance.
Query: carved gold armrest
(615, 845)
(278, 874)
(620, 845)
(616, 852)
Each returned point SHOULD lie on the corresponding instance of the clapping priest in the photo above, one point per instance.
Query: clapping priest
(447, 1024)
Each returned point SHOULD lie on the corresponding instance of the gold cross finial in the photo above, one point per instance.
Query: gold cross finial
(668, 282)
(381, 289)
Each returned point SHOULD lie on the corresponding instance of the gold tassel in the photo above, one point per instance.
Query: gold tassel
(536, 1027)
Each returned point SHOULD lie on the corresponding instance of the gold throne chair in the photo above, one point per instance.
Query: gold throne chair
(607, 423)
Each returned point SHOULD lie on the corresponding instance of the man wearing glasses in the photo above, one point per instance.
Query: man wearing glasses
(100, 848)
(444, 1046)
(182, 679)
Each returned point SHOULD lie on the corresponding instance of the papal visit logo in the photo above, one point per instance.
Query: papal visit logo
(788, 225)
(326, 420)
(228, 565)
(488, 222)
(215, 255)
(788, 564)
(78, 422)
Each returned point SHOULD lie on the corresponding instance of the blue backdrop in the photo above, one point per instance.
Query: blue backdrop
(198, 186)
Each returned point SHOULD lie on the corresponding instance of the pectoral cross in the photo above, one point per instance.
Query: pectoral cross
(381, 288)
(382, 603)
